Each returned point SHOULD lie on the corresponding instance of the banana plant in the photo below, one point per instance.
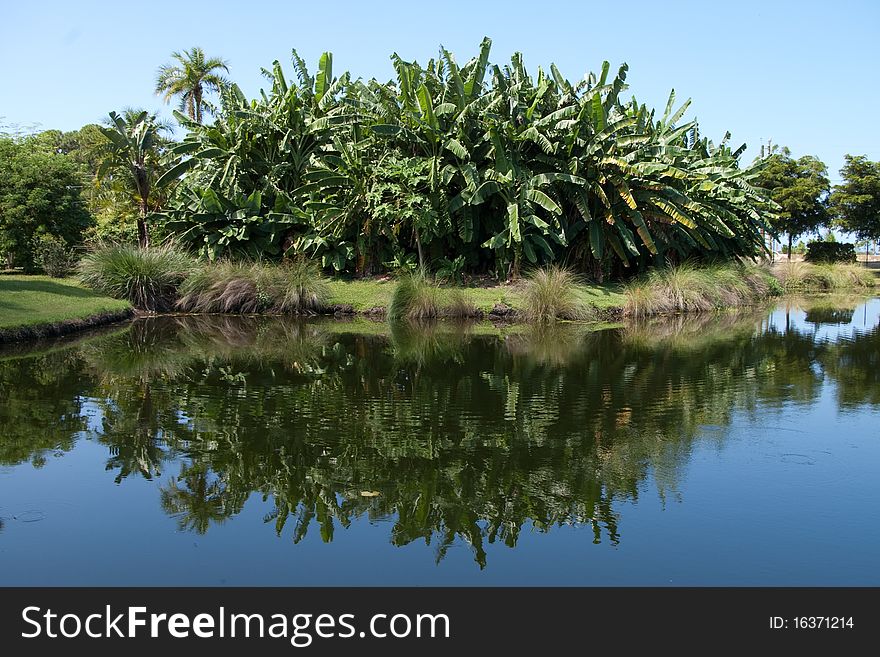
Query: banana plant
(133, 154)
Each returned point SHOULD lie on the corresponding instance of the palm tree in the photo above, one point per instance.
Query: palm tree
(195, 76)
(132, 159)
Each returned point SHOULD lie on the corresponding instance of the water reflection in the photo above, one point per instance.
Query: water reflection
(449, 432)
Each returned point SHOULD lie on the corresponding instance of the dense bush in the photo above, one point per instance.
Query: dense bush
(414, 297)
(417, 297)
(472, 168)
(830, 252)
(39, 195)
(54, 256)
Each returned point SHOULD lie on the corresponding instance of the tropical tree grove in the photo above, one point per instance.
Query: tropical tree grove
(487, 166)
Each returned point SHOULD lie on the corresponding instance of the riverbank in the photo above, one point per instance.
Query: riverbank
(373, 296)
(33, 307)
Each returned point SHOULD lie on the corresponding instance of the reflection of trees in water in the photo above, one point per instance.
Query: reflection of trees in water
(41, 405)
(462, 436)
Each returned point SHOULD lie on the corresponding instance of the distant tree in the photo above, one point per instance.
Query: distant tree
(801, 188)
(855, 202)
(40, 194)
(132, 163)
(190, 80)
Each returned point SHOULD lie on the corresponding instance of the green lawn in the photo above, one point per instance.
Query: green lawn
(30, 300)
(365, 294)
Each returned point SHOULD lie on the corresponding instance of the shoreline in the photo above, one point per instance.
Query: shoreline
(370, 299)
(34, 332)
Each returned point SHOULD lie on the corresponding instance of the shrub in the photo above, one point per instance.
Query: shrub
(54, 256)
(252, 287)
(414, 297)
(828, 252)
(551, 293)
(147, 278)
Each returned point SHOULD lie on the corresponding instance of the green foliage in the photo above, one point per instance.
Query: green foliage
(549, 293)
(478, 161)
(856, 201)
(191, 79)
(830, 252)
(54, 256)
(800, 188)
(686, 288)
(451, 270)
(800, 248)
(147, 278)
(239, 287)
(132, 164)
(39, 195)
(214, 225)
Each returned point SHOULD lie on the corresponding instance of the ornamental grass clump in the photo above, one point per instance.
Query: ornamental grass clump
(806, 277)
(550, 293)
(147, 278)
(690, 288)
(414, 297)
(254, 287)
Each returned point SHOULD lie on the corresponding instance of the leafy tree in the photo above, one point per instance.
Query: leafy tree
(800, 187)
(131, 165)
(191, 79)
(40, 194)
(856, 201)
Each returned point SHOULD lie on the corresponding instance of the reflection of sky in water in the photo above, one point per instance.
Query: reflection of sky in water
(865, 318)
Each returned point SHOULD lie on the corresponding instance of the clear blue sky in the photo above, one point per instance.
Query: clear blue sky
(804, 74)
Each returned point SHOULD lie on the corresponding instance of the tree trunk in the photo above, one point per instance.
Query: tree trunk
(143, 234)
(419, 247)
(197, 97)
(142, 182)
(789, 246)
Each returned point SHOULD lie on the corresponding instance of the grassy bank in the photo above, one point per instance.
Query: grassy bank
(33, 300)
(364, 295)
(164, 279)
(806, 277)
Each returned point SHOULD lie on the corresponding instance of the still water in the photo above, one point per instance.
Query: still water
(734, 449)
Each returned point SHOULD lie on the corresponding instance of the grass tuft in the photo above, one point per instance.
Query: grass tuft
(254, 287)
(414, 297)
(550, 293)
(806, 277)
(146, 278)
(688, 288)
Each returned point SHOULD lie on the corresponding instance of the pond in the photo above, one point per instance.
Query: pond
(728, 449)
